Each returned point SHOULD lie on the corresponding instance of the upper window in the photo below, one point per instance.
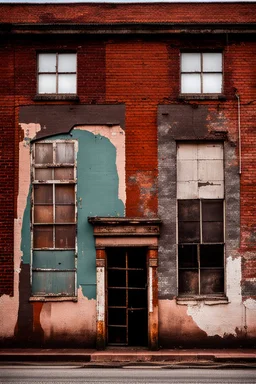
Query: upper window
(57, 73)
(201, 73)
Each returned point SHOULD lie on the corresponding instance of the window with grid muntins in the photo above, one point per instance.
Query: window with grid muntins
(54, 218)
(200, 195)
(201, 73)
(201, 247)
(57, 73)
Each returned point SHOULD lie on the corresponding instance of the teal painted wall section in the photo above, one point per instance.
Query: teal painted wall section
(97, 195)
(25, 232)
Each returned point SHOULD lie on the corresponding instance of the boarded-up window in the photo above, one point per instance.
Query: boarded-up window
(54, 218)
(200, 192)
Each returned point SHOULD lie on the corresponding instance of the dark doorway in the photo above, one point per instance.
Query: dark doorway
(127, 314)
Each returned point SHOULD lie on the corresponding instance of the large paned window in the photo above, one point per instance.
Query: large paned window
(200, 194)
(54, 218)
(201, 73)
(57, 73)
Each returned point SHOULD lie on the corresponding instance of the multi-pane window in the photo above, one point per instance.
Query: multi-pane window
(201, 246)
(200, 194)
(201, 73)
(57, 73)
(54, 218)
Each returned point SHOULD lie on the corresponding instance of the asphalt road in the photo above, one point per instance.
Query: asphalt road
(74, 374)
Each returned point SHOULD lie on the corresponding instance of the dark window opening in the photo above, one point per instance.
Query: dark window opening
(201, 247)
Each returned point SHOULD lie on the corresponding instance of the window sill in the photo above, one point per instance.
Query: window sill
(56, 98)
(202, 97)
(53, 298)
(207, 300)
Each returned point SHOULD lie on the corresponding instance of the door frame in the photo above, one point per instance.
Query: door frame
(126, 232)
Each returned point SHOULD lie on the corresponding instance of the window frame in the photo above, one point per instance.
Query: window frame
(201, 73)
(56, 73)
(54, 182)
(198, 247)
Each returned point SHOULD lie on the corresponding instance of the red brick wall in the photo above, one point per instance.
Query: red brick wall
(7, 113)
(142, 73)
(133, 13)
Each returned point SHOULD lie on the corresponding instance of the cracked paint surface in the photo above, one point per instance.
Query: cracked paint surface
(100, 192)
(9, 306)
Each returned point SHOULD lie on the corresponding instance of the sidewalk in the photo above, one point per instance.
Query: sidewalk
(117, 357)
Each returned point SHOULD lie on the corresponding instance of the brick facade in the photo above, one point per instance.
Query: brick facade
(141, 71)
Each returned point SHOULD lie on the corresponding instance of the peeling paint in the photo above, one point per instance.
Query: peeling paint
(227, 319)
(116, 136)
(9, 306)
(70, 322)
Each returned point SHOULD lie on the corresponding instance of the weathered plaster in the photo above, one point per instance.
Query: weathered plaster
(64, 322)
(116, 136)
(9, 306)
(225, 319)
(101, 181)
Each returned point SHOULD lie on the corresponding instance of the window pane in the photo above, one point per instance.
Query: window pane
(188, 282)
(43, 214)
(43, 174)
(211, 256)
(43, 236)
(212, 83)
(212, 232)
(43, 154)
(189, 232)
(212, 210)
(65, 213)
(67, 84)
(47, 62)
(64, 174)
(65, 153)
(212, 62)
(54, 259)
(43, 194)
(189, 210)
(65, 194)
(65, 236)
(190, 83)
(188, 256)
(117, 316)
(190, 62)
(47, 83)
(212, 281)
(54, 283)
(67, 62)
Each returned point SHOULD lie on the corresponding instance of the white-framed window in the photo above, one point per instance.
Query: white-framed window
(54, 218)
(200, 218)
(201, 73)
(57, 73)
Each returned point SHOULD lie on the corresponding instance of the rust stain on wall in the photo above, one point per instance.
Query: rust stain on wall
(144, 193)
